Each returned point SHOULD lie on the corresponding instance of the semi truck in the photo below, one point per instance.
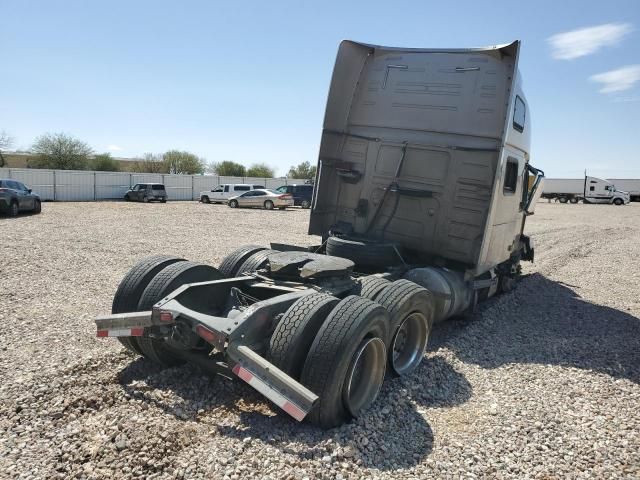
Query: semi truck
(587, 189)
(631, 185)
(423, 188)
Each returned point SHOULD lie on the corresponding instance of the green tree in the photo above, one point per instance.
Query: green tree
(303, 170)
(187, 163)
(228, 169)
(261, 170)
(149, 163)
(61, 151)
(104, 162)
(6, 141)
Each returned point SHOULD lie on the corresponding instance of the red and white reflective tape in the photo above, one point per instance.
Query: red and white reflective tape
(121, 332)
(269, 392)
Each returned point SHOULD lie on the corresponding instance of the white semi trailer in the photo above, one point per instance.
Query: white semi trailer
(423, 189)
(587, 190)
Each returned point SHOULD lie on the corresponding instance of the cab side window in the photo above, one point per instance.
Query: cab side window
(519, 114)
(226, 188)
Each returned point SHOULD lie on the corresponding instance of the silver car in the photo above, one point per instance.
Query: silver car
(262, 198)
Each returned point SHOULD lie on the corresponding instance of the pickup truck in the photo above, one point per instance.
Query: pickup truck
(222, 193)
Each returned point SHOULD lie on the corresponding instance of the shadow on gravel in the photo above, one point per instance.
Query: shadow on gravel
(391, 435)
(545, 322)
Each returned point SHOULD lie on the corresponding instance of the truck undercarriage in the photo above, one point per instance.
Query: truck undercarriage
(282, 318)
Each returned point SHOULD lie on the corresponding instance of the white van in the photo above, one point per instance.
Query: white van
(224, 192)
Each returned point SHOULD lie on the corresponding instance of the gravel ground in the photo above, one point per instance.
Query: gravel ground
(540, 383)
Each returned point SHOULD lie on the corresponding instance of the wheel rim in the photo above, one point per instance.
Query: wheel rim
(365, 375)
(305, 204)
(409, 343)
(268, 205)
(232, 204)
(14, 209)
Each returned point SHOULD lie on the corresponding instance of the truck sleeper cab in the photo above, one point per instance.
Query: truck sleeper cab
(421, 196)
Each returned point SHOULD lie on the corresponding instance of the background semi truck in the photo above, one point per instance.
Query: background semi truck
(631, 185)
(422, 192)
(588, 190)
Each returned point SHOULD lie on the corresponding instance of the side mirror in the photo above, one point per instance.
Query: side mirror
(29, 190)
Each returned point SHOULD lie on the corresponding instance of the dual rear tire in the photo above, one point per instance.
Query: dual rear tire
(341, 349)
(335, 348)
(148, 282)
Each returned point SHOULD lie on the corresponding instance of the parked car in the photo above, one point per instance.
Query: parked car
(224, 192)
(146, 192)
(262, 198)
(16, 197)
(302, 194)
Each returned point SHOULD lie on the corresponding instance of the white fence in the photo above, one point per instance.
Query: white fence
(78, 186)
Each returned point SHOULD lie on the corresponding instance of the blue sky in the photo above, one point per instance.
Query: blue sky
(247, 81)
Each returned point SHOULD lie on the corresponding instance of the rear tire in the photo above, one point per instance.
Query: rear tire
(37, 206)
(370, 286)
(410, 308)
(346, 362)
(255, 262)
(296, 331)
(573, 200)
(233, 203)
(268, 205)
(562, 199)
(305, 204)
(14, 209)
(165, 282)
(232, 262)
(131, 288)
(205, 199)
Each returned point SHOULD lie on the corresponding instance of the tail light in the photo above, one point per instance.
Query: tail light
(285, 196)
(165, 316)
(4, 189)
(208, 335)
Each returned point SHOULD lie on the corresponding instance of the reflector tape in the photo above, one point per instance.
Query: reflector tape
(121, 332)
(265, 389)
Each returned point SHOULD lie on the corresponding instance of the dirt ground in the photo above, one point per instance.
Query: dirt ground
(543, 382)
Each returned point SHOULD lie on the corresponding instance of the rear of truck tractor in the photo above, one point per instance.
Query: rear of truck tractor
(297, 326)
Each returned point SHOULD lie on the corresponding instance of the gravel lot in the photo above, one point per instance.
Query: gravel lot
(543, 382)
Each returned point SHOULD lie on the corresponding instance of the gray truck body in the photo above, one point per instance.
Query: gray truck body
(437, 127)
